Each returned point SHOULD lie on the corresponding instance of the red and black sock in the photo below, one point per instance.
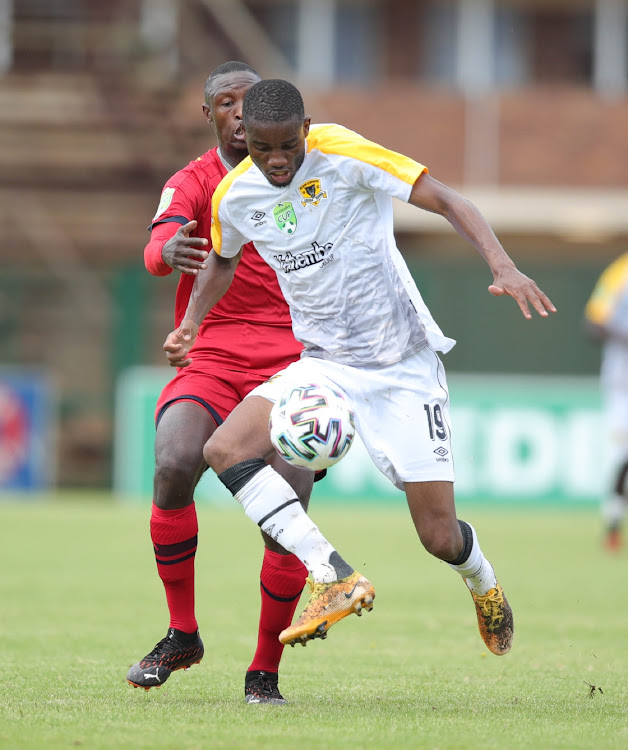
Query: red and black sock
(281, 583)
(175, 534)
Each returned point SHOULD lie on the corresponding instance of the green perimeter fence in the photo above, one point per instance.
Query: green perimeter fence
(516, 440)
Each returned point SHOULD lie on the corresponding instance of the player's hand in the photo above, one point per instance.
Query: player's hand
(184, 253)
(178, 344)
(523, 290)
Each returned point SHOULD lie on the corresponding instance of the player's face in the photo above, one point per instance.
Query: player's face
(278, 148)
(224, 112)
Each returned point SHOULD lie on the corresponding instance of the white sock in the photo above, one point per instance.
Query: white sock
(476, 570)
(269, 500)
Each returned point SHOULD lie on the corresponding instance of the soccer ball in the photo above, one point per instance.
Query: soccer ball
(312, 426)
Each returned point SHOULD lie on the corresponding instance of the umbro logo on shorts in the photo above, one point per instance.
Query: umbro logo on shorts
(441, 453)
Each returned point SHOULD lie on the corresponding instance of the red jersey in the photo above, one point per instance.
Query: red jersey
(253, 299)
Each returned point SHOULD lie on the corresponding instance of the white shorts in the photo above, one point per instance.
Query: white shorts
(401, 411)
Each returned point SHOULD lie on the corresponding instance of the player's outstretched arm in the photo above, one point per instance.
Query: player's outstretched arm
(209, 287)
(466, 219)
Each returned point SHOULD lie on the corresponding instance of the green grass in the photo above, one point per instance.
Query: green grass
(80, 601)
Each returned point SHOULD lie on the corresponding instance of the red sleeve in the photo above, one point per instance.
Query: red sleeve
(182, 208)
(152, 252)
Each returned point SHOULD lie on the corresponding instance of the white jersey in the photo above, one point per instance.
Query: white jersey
(329, 237)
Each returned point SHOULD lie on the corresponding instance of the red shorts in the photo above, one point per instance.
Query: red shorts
(219, 391)
(229, 361)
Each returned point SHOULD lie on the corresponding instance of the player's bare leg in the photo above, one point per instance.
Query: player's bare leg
(434, 514)
(237, 452)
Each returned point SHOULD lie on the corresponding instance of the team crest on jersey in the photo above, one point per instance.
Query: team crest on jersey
(311, 192)
(164, 203)
(285, 218)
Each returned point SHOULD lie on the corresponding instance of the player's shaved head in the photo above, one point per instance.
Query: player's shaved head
(273, 100)
(233, 66)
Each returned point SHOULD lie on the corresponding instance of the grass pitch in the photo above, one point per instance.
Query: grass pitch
(80, 601)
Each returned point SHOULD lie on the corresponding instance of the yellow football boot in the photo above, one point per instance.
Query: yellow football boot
(328, 604)
(494, 620)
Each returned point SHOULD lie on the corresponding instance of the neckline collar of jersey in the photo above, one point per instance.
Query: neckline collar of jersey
(225, 163)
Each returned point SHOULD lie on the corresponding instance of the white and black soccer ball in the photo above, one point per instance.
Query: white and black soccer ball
(312, 426)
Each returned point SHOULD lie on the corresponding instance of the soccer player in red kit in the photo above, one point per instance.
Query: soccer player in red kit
(246, 338)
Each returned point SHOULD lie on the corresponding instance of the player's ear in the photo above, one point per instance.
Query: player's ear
(208, 114)
(306, 126)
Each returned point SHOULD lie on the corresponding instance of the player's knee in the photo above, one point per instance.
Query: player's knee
(174, 479)
(218, 454)
(440, 543)
(225, 448)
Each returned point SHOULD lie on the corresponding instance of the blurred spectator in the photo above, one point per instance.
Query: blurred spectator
(606, 319)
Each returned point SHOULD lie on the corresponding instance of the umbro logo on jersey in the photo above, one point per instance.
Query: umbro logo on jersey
(258, 218)
(318, 254)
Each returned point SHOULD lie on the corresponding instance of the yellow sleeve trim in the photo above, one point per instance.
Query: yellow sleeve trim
(335, 139)
(602, 302)
(219, 193)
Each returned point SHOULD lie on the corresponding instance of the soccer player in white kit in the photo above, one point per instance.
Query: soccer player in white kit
(606, 318)
(316, 202)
